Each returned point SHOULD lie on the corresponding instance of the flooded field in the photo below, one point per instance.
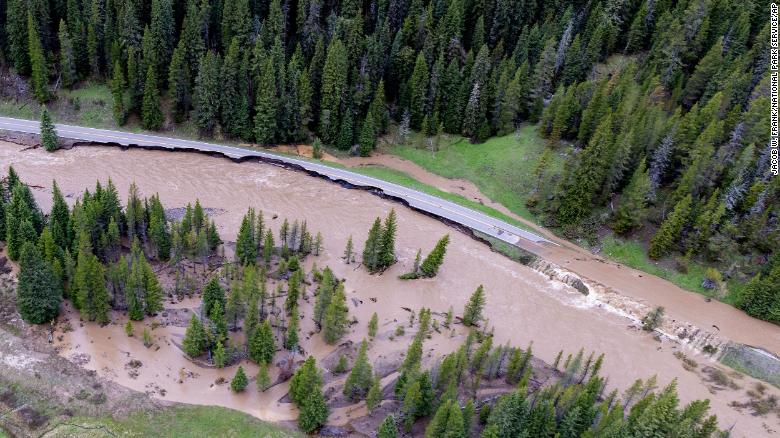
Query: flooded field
(522, 304)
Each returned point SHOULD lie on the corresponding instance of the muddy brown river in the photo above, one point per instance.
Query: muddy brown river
(522, 304)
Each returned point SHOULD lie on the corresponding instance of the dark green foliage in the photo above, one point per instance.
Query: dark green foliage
(360, 378)
(38, 64)
(306, 393)
(207, 93)
(48, 134)
(239, 382)
(262, 345)
(195, 338)
(334, 323)
(472, 313)
(666, 236)
(430, 266)
(388, 428)
(38, 293)
(212, 294)
(151, 114)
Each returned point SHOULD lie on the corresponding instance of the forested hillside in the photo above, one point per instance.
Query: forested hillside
(665, 102)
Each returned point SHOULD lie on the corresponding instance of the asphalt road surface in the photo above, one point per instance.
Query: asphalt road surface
(434, 205)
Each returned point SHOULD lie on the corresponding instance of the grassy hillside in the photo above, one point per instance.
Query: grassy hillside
(502, 167)
(179, 421)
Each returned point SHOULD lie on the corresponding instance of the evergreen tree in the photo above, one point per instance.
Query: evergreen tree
(117, 86)
(207, 93)
(263, 380)
(348, 254)
(388, 428)
(669, 233)
(212, 294)
(448, 421)
(430, 266)
(335, 324)
(266, 104)
(38, 292)
(262, 346)
(195, 338)
(373, 325)
(291, 338)
(360, 379)
(418, 89)
(179, 79)
(367, 136)
(59, 218)
(472, 313)
(313, 412)
(334, 82)
(239, 382)
(48, 133)
(68, 72)
(219, 355)
(246, 247)
(151, 115)
(387, 241)
(374, 396)
(633, 201)
(371, 250)
(38, 66)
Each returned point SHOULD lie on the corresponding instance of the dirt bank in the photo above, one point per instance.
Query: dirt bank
(523, 304)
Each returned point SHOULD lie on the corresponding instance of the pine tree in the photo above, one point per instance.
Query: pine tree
(360, 379)
(207, 93)
(218, 323)
(48, 133)
(335, 323)
(38, 66)
(239, 382)
(348, 254)
(38, 292)
(334, 82)
(313, 412)
(388, 428)
(151, 115)
(367, 136)
(472, 313)
(68, 73)
(418, 89)
(246, 247)
(262, 346)
(387, 241)
(633, 201)
(263, 380)
(266, 104)
(306, 380)
(371, 250)
(195, 338)
(90, 287)
(374, 397)
(448, 421)
(18, 40)
(179, 81)
(234, 107)
(291, 338)
(117, 86)
(212, 294)
(430, 266)
(219, 355)
(373, 325)
(669, 232)
(59, 218)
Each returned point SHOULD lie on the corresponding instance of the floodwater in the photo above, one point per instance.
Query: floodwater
(522, 304)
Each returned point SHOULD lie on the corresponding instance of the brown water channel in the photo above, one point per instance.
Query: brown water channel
(522, 304)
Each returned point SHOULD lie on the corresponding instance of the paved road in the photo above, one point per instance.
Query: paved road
(467, 217)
